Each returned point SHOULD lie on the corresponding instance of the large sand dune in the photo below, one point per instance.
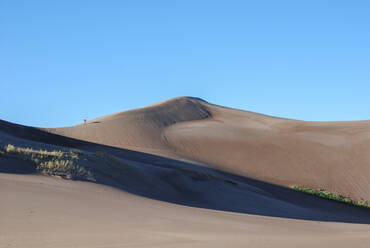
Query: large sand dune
(329, 155)
(186, 173)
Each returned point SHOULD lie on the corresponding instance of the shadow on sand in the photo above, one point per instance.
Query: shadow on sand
(194, 185)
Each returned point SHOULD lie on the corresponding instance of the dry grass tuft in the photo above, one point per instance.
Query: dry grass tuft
(55, 163)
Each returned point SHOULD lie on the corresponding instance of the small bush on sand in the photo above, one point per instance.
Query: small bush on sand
(64, 168)
(55, 163)
(9, 148)
(331, 196)
(29, 151)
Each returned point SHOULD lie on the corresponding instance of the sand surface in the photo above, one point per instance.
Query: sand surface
(187, 173)
(38, 211)
(329, 155)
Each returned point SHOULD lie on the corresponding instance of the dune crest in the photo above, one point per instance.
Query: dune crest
(139, 129)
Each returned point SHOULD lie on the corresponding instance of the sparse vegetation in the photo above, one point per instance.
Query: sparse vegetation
(9, 148)
(331, 196)
(55, 163)
(75, 164)
(41, 153)
(64, 168)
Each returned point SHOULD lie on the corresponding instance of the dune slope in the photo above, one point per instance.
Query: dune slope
(46, 212)
(323, 155)
(161, 178)
(184, 173)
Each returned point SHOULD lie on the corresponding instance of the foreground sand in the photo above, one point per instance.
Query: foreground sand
(38, 211)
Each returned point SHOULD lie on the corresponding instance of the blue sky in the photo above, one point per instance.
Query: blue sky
(61, 61)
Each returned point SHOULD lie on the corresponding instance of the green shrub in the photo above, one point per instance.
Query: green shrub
(331, 196)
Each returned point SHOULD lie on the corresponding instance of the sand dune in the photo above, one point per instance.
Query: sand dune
(176, 181)
(329, 155)
(142, 128)
(187, 173)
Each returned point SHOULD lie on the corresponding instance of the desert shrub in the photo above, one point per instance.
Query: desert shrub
(55, 163)
(9, 148)
(64, 168)
(74, 154)
(331, 196)
(29, 151)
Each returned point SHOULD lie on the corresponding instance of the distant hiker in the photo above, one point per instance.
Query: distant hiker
(84, 120)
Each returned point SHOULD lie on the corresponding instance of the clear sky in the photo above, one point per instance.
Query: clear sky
(61, 61)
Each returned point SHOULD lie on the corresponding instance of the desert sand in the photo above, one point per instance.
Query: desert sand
(47, 212)
(187, 173)
(330, 155)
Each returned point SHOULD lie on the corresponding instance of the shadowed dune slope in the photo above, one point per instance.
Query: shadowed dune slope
(329, 155)
(165, 179)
